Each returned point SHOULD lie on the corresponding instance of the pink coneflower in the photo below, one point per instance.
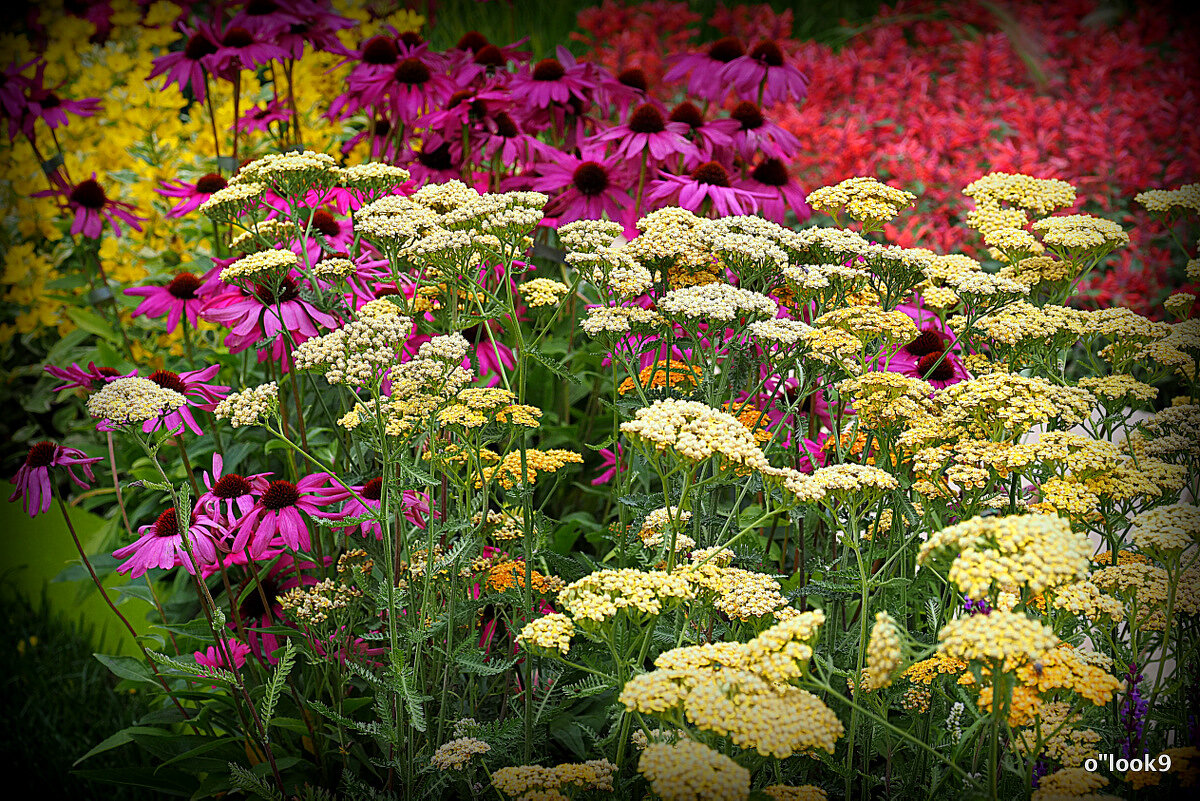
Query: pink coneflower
(259, 118)
(705, 68)
(415, 505)
(317, 29)
(756, 134)
(161, 545)
(707, 182)
(13, 84)
(503, 137)
(265, 313)
(77, 377)
(51, 108)
(647, 132)
(187, 66)
(182, 296)
(214, 657)
(33, 477)
(930, 356)
(553, 81)
(589, 186)
(475, 57)
(238, 48)
(194, 386)
(763, 75)
(608, 465)
(275, 519)
(435, 162)
(193, 194)
(92, 207)
(777, 191)
(708, 137)
(230, 496)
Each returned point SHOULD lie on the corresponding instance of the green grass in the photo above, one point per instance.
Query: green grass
(56, 702)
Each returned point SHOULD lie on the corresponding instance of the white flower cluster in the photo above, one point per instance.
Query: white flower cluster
(695, 431)
(245, 408)
(617, 319)
(359, 352)
(589, 235)
(259, 265)
(227, 203)
(373, 175)
(716, 302)
(133, 400)
(779, 331)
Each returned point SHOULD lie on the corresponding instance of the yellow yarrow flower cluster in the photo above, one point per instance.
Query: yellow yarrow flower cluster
(864, 199)
(883, 652)
(600, 596)
(524, 782)
(1005, 638)
(690, 771)
(1034, 551)
(694, 432)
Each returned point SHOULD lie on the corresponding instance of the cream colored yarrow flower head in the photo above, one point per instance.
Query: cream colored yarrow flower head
(1040, 196)
(716, 302)
(334, 268)
(690, 771)
(232, 201)
(1081, 232)
(373, 175)
(863, 198)
(247, 407)
(617, 319)
(589, 235)
(1165, 529)
(455, 754)
(1036, 551)
(130, 400)
(291, 170)
(444, 197)
(1007, 638)
(694, 432)
(883, 652)
(543, 292)
(551, 632)
(259, 266)
(841, 482)
(1185, 199)
(600, 596)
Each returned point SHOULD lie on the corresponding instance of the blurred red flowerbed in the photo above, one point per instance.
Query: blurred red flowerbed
(927, 95)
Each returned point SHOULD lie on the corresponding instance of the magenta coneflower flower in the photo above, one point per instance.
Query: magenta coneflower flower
(709, 182)
(186, 67)
(647, 131)
(77, 377)
(259, 118)
(776, 191)
(763, 75)
(708, 137)
(214, 657)
(48, 106)
(275, 519)
(13, 84)
(758, 134)
(238, 48)
(608, 464)
(553, 81)
(705, 68)
(92, 207)
(230, 496)
(503, 137)
(161, 545)
(193, 194)
(414, 86)
(265, 313)
(589, 186)
(194, 386)
(33, 477)
(923, 357)
(414, 504)
(435, 162)
(182, 296)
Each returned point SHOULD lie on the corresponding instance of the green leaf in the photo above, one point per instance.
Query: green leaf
(276, 684)
(92, 323)
(126, 667)
(471, 661)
